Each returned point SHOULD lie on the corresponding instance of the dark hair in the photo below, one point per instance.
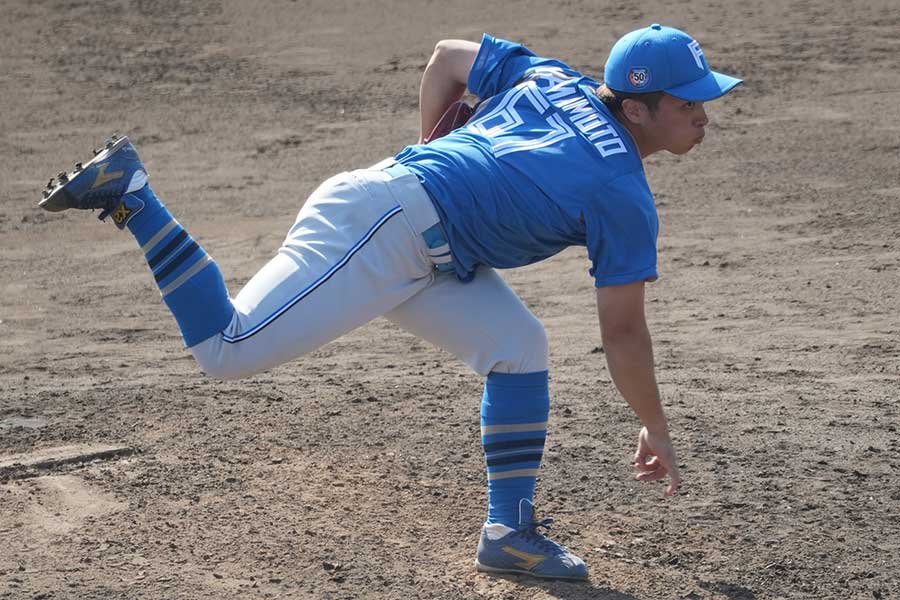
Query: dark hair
(613, 99)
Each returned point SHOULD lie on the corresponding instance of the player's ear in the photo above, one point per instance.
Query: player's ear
(635, 111)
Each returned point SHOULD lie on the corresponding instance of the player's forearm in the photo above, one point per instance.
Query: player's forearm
(444, 81)
(437, 93)
(630, 359)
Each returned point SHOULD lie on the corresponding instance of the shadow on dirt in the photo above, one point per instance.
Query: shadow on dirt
(565, 590)
(729, 590)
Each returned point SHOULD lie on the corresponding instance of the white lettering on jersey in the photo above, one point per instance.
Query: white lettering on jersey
(558, 86)
(501, 122)
(542, 87)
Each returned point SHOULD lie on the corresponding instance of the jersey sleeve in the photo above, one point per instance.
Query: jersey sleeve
(621, 231)
(500, 64)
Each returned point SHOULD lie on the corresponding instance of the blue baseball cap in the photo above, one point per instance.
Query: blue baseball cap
(664, 59)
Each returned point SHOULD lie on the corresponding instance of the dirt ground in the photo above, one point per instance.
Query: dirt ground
(357, 471)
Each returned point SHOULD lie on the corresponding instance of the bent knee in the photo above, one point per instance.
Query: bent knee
(224, 370)
(218, 361)
(525, 350)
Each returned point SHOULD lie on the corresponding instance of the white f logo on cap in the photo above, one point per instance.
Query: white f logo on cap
(694, 47)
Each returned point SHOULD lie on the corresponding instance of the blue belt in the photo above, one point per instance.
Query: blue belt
(396, 170)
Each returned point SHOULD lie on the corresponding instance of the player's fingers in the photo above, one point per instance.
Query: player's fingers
(654, 475)
(652, 471)
(640, 457)
(647, 465)
(674, 481)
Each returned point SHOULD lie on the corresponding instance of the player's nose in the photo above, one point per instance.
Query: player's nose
(701, 120)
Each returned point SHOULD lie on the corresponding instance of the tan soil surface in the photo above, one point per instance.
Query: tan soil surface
(357, 472)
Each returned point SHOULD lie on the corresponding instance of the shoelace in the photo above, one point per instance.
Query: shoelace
(531, 534)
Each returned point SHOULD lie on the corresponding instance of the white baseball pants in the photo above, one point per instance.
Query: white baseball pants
(356, 252)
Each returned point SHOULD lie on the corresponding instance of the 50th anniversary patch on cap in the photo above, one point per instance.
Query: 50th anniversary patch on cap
(639, 77)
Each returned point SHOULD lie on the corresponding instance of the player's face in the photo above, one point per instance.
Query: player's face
(680, 124)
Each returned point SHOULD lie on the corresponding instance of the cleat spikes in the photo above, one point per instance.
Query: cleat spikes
(120, 172)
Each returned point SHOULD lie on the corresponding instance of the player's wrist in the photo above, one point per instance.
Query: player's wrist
(656, 426)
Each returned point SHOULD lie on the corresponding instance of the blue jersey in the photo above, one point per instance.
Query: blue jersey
(541, 166)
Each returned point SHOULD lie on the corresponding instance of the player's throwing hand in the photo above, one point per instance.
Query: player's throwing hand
(655, 458)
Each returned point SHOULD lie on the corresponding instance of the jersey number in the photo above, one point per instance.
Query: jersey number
(507, 129)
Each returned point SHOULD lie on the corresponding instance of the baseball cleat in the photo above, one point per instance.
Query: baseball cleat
(102, 183)
(524, 550)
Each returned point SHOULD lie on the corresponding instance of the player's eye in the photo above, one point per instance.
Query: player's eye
(690, 105)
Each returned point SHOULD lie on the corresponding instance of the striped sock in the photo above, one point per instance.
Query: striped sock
(514, 414)
(189, 280)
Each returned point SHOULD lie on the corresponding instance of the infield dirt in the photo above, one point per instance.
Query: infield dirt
(356, 472)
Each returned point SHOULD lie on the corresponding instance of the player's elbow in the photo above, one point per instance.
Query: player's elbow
(454, 57)
(441, 47)
(444, 49)
(441, 57)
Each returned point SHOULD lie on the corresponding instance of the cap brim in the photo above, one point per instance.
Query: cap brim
(709, 87)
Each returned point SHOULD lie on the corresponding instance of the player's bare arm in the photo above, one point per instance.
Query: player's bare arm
(444, 80)
(629, 355)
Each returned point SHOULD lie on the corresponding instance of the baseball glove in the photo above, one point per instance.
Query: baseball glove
(453, 118)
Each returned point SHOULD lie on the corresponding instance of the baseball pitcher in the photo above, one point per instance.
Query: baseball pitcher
(550, 158)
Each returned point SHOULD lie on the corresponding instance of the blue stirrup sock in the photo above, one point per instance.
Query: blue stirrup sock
(189, 280)
(514, 412)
